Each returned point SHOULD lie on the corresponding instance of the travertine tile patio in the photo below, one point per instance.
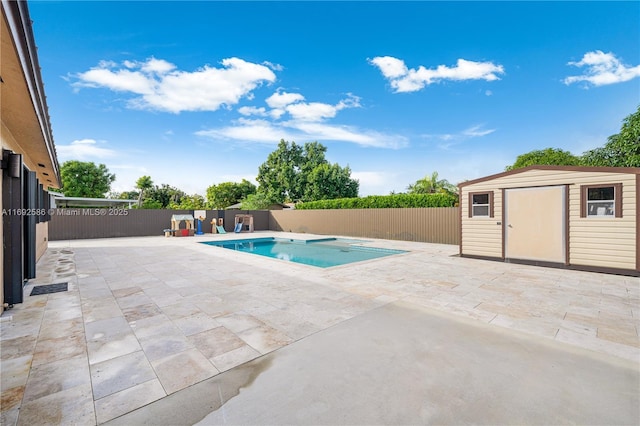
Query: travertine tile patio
(146, 317)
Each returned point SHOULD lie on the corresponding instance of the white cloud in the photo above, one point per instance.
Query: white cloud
(283, 102)
(275, 67)
(153, 65)
(245, 130)
(318, 111)
(477, 131)
(307, 121)
(367, 138)
(282, 99)
(262, 131)
(161, 86)
(313, 111)
(84, 149)
(276, 113)
(390, 67)
(121, 80)
(250, 110)
(602, 69)
(451, 139)
(404, 79)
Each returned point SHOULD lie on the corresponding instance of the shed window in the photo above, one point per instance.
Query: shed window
(601, 200)
(481, 204)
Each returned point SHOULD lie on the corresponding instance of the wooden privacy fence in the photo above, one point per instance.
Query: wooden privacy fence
(431, 225)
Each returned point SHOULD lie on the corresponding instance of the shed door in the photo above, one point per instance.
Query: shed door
(535, 224)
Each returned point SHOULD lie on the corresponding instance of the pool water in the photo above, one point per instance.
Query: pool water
(322, 253)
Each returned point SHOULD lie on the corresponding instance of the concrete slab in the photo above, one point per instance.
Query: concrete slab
(406, 364)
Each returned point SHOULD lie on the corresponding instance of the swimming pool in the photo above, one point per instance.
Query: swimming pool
(323, 253)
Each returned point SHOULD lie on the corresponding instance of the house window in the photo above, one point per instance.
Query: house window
(481, 204)
(601, 200)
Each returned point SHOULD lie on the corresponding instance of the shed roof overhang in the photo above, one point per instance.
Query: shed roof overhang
(629, 170)
(24, 111)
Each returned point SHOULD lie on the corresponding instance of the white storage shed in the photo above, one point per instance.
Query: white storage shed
(574, 217)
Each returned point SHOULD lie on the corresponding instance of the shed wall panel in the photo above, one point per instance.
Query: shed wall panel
(482, 236)
(607, 242)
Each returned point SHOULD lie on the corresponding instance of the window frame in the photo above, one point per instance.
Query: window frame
(490, 205)
(617, 200)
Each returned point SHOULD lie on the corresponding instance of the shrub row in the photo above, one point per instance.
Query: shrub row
(383, 202)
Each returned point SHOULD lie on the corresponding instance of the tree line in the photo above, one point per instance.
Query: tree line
(292, 173)
(301, 174)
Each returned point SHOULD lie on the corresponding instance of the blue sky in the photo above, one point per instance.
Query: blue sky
(199, 93)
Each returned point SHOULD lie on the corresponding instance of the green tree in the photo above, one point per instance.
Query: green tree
(548, 156)
(313, 156)
(189, 202)
(256, 201)
(330, 181)
(622, 149)
(431, 185)
(226, 194)
(278, 176)
(161, 196)
(289, 174)
(128, 195)
(85, 179)
(150, 204)
(246, 188)
(144, 183)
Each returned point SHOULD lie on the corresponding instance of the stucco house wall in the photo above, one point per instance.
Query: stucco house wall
(25, 131)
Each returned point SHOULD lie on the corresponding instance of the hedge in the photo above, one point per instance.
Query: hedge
(383, 202)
